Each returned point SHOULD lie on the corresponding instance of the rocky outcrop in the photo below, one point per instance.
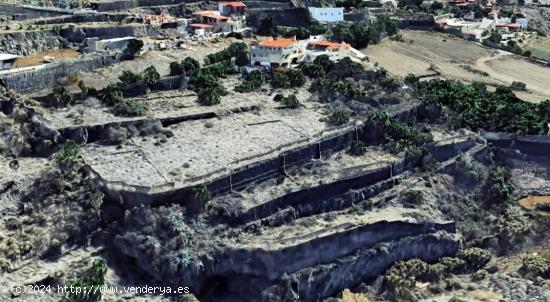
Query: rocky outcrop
(29, 42)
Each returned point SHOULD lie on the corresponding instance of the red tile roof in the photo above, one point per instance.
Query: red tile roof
(329, 44)
(234, 4)
(210, 14)
(279, 43)
(200, 25)
(512, 25)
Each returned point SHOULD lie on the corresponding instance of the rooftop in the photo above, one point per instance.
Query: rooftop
(279, 43)
(7, 56)
(329, 44)
(234, 4)
(513, 25)
(201, 25)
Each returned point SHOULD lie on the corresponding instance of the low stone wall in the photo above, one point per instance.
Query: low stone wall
(327, 196)
(365, 264)
(272, 264)
(46, 76)
(84, 18)
(77, 35)
(24, 12)
(529, 144)
(266, 169)
(129, 4)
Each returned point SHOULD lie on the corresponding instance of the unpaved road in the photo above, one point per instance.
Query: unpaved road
(447, 53)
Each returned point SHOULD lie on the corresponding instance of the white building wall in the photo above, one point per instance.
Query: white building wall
(327, 14)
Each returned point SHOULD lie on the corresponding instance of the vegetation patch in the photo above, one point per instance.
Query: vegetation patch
(478, 109)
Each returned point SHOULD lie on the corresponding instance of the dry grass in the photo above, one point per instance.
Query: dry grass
(448, 53)
(38, 58)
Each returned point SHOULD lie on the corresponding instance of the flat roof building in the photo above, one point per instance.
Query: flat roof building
(7, 61)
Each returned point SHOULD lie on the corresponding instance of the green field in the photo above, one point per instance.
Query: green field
(540, 48)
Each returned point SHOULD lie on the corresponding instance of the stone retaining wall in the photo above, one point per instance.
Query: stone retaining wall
(47, 76)
(530, 144)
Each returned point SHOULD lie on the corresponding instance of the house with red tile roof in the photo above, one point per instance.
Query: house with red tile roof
(230, 17)
(335, 51)
(283, 52)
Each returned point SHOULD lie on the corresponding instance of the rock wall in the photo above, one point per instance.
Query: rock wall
(529, 144)
(362, 265)
(24, 12)
(47, 76)
(29, 42)
(77, 35)
(129, 4)
(272, 264)
(332, 196)
(294, 17)
(84, 18)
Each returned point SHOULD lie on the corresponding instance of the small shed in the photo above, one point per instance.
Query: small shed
(7, 61)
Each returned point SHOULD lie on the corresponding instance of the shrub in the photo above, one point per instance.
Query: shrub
(201, 193)
(402, 276)
(130, 108)
(328, 88)
(132, 48)
(323, 61)
(69, 155)
(411, 79)
(414, 196)
(357, 148)
(176, 68)
(544, 110)
(500, 188)
(468, 168)
(151, 76)
(210, 96)
(190, 65)
(479, 275)
(129, 77)
(339, 117)
(344, 68)
(511, 227)
(475, 258)
(518, 86)
(232, 51)
(312, 70)
(62, 96)
(267, 27)
(291, 101)
(89, 282)
(280, 80)
(453, 265)
(252, 81)
(296, 78)
(499, 111)
(83, 87)
(399, 137)
(534, 266)
(111, 95)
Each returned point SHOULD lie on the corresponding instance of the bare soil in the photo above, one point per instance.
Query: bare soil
(38, 58)
(422, 50)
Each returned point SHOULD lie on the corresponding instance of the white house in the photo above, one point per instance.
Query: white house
(327, 14)
(7, 61)
(275, 53)
(230, 17)
(335, 51)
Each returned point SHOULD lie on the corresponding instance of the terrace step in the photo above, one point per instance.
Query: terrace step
(330, 247)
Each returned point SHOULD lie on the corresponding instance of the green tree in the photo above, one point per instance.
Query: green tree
(267, 27)
(190, 65)
(151, 76)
